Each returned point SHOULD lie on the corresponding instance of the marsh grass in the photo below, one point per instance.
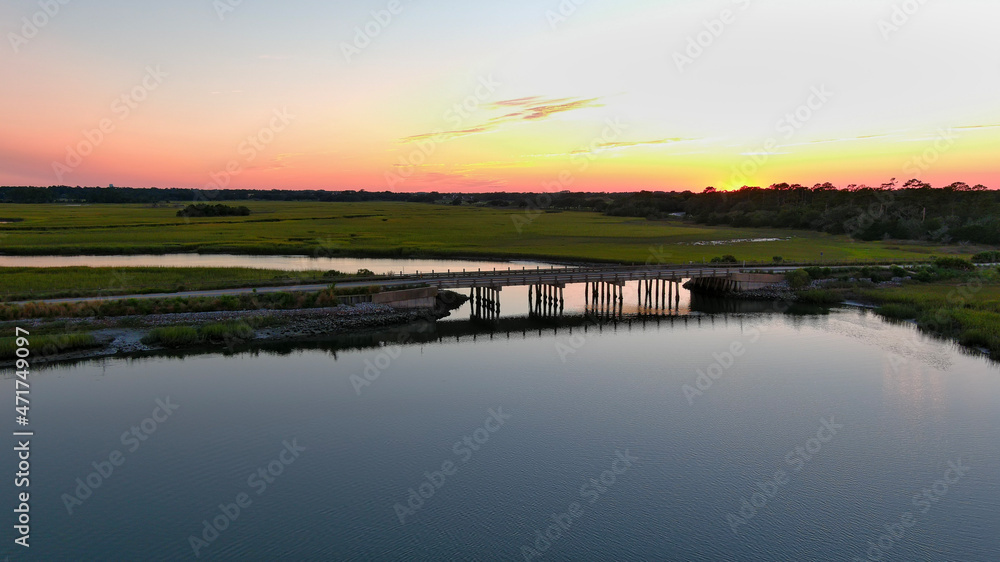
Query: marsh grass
(898, 311)
(181, 336)
(226, 331)
(145, 307)
(28, 283)
(965, 307)
(387, 229)
(172, 336)
(46, 345)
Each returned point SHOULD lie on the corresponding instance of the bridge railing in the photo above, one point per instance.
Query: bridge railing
(708, 269)
(510, 272)
(576, 275)
(555, 272)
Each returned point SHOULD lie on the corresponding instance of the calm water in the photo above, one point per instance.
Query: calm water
(901, 407)
(288, 263)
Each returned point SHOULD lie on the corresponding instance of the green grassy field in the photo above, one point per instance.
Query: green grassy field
(28, 283)
(416, 230)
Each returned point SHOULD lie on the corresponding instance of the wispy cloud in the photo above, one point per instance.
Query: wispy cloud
(441, 136)
(979, 127)
(630, 144)
(277, 162)
(845, 139)
(896, 136)
(494, 164)
(454, 180)
(538, 108)
(527, 109)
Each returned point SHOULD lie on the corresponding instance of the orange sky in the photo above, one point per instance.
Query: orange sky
(524, 96)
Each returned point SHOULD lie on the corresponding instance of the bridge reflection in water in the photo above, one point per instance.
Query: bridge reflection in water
(605, 299)
(505, 328)
(485, 303)
(704, 311)
(608, 314)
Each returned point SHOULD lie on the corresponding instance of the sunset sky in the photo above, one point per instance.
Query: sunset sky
(585, 95)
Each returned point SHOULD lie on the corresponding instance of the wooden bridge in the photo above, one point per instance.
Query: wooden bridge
(560, 276)
(658, 288)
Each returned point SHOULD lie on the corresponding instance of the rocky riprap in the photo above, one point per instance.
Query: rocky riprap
(775, 292)
(339, 320)
(123, 335)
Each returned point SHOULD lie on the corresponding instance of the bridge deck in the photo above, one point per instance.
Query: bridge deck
(561, 276)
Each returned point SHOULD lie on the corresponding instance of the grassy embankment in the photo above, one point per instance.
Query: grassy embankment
(51, 344)
(967, 310)
(218, 332)
(950, 298)
(173, 305)
(55, 335)
(381, 229)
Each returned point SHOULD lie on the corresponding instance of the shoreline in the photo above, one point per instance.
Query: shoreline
(121, 336)
(115, 338)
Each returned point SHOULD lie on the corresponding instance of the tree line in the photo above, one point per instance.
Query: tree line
(912, 211)
(217, 210)
(151, 195)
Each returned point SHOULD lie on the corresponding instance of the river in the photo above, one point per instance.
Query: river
(693, 434)
(287, 263)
